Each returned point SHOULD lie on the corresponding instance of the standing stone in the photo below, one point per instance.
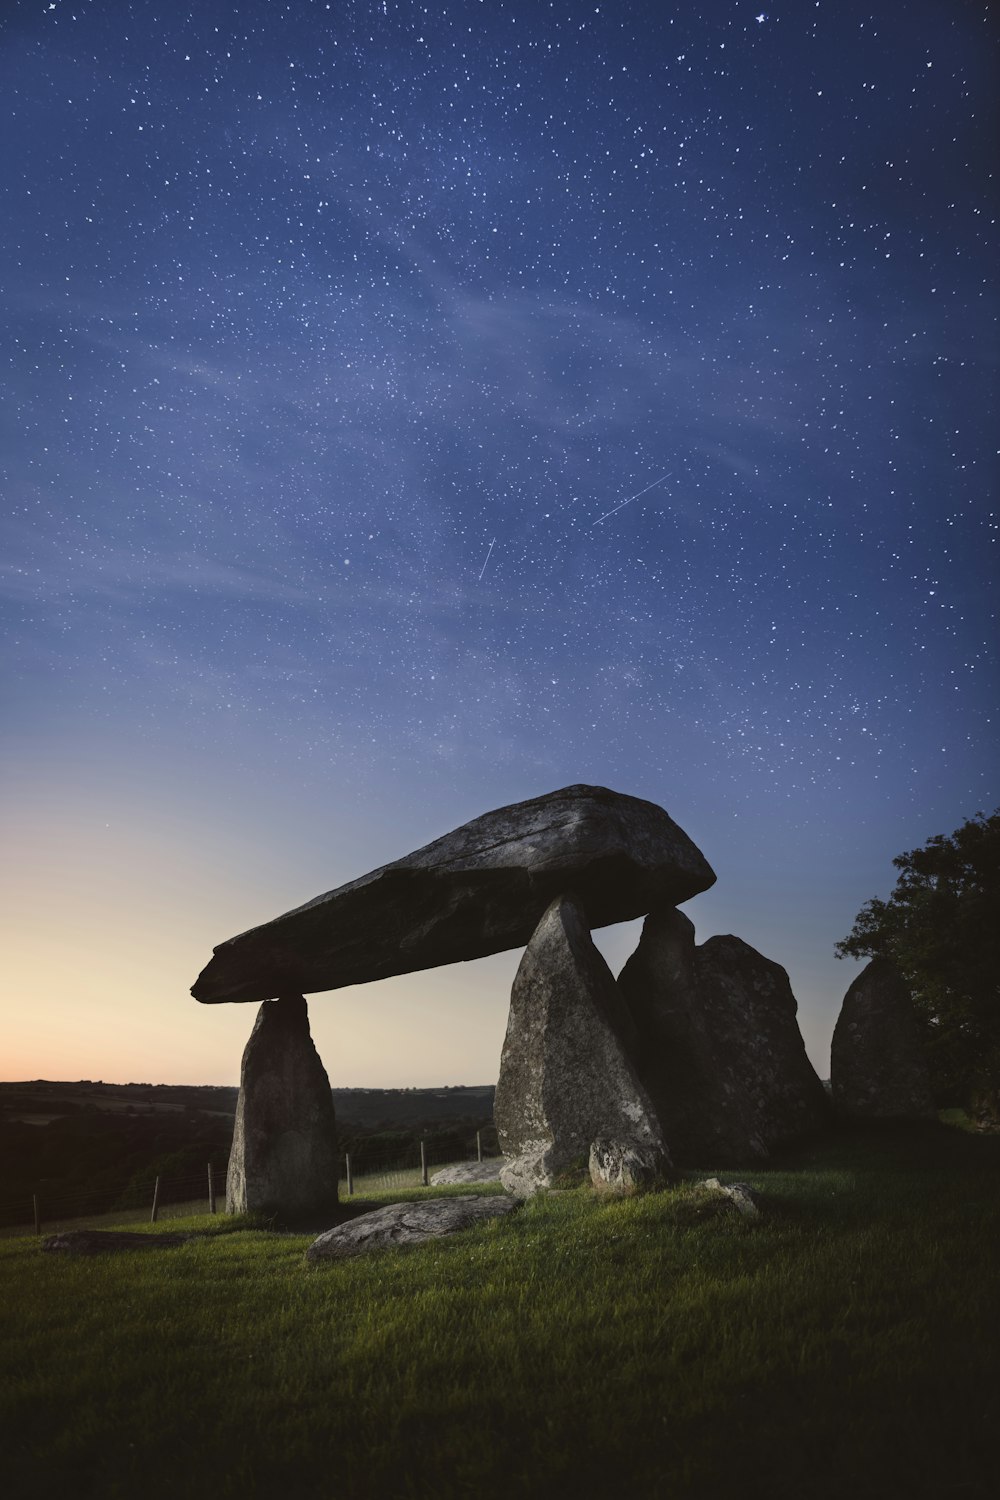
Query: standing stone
(878, 1067)
(284, 1155)
(565, 1075)
(478, 890)
(719, 1048)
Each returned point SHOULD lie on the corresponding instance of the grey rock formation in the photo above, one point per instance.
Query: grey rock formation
(470, 1171)
(477, 890)
(284, 1155)
(878, 1068)
(565, 1075)
(622, 1170)
(719, 1048)
(406, 1224)
(740, 1194)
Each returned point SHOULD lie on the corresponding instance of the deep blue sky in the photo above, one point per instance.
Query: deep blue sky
(338, 338)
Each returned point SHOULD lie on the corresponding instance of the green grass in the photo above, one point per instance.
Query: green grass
(844, 1346)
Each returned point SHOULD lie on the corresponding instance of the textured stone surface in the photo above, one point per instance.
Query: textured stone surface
(406, 1224)
(284, 1155)
(740, 1194)
(477, 890)
(470, 1171)
(719, 1048)
(878, 1069)
(102, 1241)
(622, 1170)
(565, 1075)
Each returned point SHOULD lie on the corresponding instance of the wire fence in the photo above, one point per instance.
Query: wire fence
(48, 1207)
(150, 1198)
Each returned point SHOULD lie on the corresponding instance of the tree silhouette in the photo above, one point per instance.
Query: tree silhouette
(941, 928)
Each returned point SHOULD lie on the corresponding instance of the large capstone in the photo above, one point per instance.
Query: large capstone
(477, 890)
(284, 1155)
(878, 1066)
(719, 1048)
(566, 1078)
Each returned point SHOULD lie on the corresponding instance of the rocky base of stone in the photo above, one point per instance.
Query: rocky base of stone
(622, 1169)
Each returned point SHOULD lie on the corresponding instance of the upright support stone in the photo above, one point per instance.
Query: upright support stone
(719, 1046)
(566, 1079)
(284, 1157)
(878, 1067)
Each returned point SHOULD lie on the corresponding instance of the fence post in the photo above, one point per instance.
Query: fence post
(423, 1163)
(211, 1190)
(479, 1146)
(156, 1201)
(38, 1217)
(350, 1179)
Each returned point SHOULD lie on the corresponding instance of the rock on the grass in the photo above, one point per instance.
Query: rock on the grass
(622, 1170)
(719, 1047)
(407, 1224)
(740, 1194)
(878, 1067)
(470, 1171)
(477, 890)
(566, 1078)
(284, 1154)
(101, 1241)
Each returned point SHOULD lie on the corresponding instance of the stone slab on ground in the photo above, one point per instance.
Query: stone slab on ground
(478, 890)
(470, 1171)
(103, 1241)
(740, 1194)
(407, 1224)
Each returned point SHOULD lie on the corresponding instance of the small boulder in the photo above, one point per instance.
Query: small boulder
(719, 1048)
(284, 1154)
(566, 1078)
(621, 1170)
(406, 1224)
(878, 1067)
(470, 1171)
(740, 1194)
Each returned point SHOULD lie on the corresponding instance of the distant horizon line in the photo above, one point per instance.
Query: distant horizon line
(134, 1083)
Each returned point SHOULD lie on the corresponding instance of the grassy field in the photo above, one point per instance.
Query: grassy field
(843, 1346)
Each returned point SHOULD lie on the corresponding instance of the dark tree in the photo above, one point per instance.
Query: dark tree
(941, 928)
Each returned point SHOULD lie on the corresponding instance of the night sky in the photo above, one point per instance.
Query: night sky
(409, 409)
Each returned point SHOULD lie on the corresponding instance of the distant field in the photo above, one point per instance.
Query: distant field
(40, 1100)
(843, 1347)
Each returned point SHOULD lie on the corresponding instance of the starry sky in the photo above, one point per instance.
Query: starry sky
(413, 408)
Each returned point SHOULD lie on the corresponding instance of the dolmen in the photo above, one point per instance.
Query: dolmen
(693, 1054)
